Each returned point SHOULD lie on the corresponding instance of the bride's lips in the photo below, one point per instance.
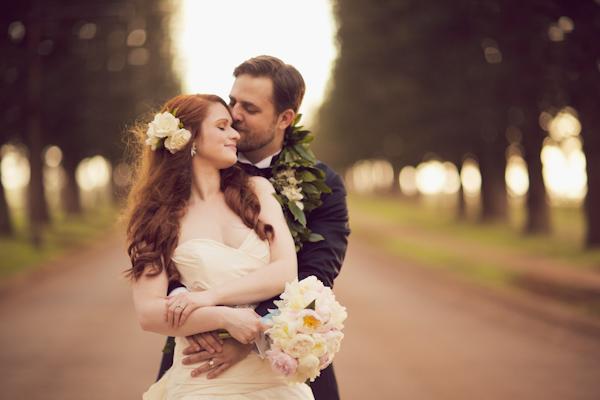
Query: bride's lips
(231, 146)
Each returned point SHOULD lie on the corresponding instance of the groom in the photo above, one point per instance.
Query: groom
(265, 99)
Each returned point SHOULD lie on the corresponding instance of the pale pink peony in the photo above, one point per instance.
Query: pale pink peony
(324, 361)
(281, 362)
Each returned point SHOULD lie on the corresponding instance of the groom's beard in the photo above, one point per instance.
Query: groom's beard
(253, 140)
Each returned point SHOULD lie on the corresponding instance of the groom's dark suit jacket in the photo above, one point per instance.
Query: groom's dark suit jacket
(322, 259)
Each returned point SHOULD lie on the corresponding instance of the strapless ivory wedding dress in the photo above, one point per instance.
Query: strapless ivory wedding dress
(203, 264)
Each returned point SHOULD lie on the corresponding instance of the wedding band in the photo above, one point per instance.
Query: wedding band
(211, 363)
(251, 341)
(179, 305)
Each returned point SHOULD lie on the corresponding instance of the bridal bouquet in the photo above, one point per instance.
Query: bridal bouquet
(305, 330)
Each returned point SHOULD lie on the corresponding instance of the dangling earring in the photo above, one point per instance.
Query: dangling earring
(193, 149)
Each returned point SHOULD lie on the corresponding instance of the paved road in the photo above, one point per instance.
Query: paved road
(70, 333)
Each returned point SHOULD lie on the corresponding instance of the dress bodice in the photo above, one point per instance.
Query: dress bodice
(206, 263)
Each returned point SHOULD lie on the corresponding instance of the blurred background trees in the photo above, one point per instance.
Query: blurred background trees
(487, 105)
(74, 74)
(498, 88)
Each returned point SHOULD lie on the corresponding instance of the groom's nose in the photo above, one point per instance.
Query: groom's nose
(235, 112)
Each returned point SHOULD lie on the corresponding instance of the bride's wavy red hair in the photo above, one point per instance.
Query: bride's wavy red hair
(162, 186)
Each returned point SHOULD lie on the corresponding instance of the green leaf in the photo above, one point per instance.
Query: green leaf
(289, 157)
(307, 176)
(298, 213)
(169, 346)
(309, 188)
(318, 172)
(304, 152)
(311, 206)
(315, 237)
(295, 226)
(322, 186)
(312, 305)
(175, 112)
(297, 119)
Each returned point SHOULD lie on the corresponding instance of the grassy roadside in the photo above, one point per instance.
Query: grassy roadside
(430, 236)
(64, 234)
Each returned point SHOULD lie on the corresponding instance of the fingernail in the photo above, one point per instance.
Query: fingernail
(194, 373)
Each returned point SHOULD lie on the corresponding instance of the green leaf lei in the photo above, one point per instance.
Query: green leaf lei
(298, 183)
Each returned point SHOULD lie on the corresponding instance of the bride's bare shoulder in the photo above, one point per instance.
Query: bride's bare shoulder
(261, 185)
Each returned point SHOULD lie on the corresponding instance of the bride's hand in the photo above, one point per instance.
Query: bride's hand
(180, 306)
(244, 325)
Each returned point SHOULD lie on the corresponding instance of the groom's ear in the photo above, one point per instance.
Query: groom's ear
(285, 119)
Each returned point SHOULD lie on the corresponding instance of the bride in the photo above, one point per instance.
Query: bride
(195, 217)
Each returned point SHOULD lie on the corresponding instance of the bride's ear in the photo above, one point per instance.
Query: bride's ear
(285, 119)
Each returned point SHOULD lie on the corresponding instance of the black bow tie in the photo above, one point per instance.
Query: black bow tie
(253, 170)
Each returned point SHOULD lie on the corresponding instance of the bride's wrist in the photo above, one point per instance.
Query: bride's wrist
(215, 296)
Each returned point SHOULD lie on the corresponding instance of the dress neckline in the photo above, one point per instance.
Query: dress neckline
(217, 242)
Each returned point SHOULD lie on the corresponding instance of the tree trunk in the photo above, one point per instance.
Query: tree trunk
(590, 125)
(38, 209)
(6, 228)
(71, 200)
(538, 211)
(492, 166)
(584, 48)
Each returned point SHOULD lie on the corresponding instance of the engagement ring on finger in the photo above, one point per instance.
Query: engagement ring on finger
(178, 305)
(251, 341)
(211, 363)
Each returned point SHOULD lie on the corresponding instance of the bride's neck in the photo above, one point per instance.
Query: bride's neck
(206, 183)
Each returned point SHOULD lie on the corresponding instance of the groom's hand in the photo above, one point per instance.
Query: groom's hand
(232, 353)
(209, 341)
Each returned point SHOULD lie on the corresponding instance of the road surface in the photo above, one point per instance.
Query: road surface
(69, 332)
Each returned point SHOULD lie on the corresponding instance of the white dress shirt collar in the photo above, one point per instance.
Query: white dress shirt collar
(265, 163)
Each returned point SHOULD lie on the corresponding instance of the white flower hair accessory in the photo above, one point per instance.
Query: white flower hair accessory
(166, 130)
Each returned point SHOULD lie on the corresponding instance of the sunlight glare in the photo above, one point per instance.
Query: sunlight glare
(53, 156)
(564, 125)
(470, 177)
(564, 173)
(14, 168)
(213, 37)
(408, 180)
(452, 183)
(93, 173)
(516, 176)
(431, 177)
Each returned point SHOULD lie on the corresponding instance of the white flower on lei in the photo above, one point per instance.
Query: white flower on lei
(293, 193)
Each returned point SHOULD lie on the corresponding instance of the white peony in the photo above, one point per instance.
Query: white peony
(177, 140)
(299, 346)
(163, 125)
(309, 365)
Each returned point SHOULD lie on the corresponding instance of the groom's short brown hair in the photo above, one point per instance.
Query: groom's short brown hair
(288, 84)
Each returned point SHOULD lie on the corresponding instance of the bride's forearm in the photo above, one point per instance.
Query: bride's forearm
(204, 319)
(260, 285)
